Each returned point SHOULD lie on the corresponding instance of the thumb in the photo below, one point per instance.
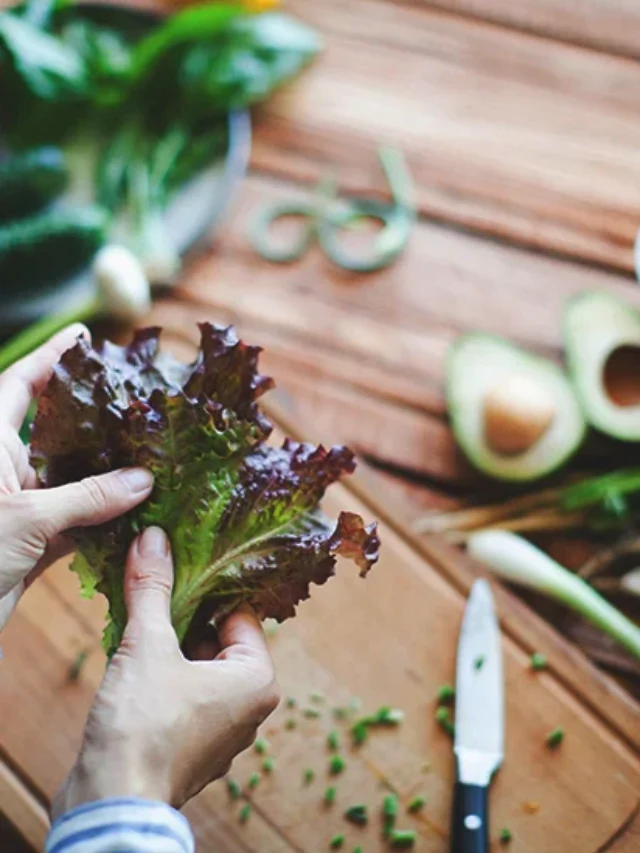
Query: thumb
(148, 582)
(93, 500)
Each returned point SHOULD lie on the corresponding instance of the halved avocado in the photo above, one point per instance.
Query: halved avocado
(514, 414)
(602, 340)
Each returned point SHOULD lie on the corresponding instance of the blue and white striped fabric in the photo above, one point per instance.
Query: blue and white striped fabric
(126, 825)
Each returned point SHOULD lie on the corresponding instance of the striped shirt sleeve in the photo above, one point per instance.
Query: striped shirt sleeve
(126, 825)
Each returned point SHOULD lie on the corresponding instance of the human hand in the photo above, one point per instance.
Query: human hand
(31, 519)
(162, 727)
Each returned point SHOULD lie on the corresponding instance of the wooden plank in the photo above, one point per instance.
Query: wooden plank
(520, 137)
(22, 809)
(609, 25)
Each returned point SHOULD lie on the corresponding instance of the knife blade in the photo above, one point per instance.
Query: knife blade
(479, 719)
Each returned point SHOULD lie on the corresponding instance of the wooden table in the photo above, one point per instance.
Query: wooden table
(521, 124)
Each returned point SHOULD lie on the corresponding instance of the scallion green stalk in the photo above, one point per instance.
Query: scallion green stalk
(517, 560)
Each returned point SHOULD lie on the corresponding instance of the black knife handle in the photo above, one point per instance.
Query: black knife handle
(470, 822)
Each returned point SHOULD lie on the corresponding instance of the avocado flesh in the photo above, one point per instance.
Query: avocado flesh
(602, 337)
(477, 364)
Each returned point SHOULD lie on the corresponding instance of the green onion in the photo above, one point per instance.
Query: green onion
(317, 698)
(479, 662)
(390, 806)
(244, 813)
(505, 835)
(358, 849)
(384, 716)
(254, 780)
(291, 702)
(357, 814)
(445, 695)
(360, 732)
(234, 789)
(416, 804)
(515, 559)
(401, 838)
(336, 764)
(309, 776)
(337, 841)
(555, 738)
(269, 764)
(340, 713)
(311, 713)
(538, 661)
(443, 718)
(290, 724)
(333, 740)
(330, 795)
(261, 746)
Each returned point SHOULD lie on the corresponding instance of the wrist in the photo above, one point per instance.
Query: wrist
(98, 777)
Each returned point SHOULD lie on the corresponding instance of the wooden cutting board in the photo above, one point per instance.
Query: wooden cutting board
(388, 640)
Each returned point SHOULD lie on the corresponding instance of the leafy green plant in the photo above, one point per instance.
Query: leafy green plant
(242, 516)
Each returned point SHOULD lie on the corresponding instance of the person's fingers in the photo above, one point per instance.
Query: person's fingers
(148, 582)
(25, 380)
(241, 636)
(57, 548)
(91, 501)
(8, 602)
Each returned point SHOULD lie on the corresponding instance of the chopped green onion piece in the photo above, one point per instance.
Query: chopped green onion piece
(538, 661)
(401, 838)
(358, 849)
(555, 738)
(416, 804)
(309, 776)
(333, 740)
(443, 718)
(390, 807)
(336, 764)
(445, 695)
(330, 795)
(261, 746)
(479, 662)
(337, 841)
(290, 724)
(268, 765)
(357, 814)
(254, 780)
(359, 732)
(311, 713)
(234, 789)
(291, 702)
(244, 813)
(505, 836)
(387, 717)
(317, 698)
(340, 713)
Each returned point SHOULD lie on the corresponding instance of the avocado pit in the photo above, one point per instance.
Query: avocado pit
(621, 376)
(517, 412)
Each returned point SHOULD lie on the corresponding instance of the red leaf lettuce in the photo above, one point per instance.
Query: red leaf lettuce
(242, 516)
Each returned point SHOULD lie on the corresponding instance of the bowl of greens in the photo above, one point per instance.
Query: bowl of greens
(121, 126)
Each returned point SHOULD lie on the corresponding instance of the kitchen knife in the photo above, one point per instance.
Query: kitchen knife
(479, 720)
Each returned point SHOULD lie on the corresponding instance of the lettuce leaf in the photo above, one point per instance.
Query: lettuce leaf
(242, 515)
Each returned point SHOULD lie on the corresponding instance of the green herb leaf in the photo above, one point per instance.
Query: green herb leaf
(505, 836)
(337, 841)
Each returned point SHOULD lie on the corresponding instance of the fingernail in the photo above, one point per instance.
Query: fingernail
(137, 479)
(153, 543)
